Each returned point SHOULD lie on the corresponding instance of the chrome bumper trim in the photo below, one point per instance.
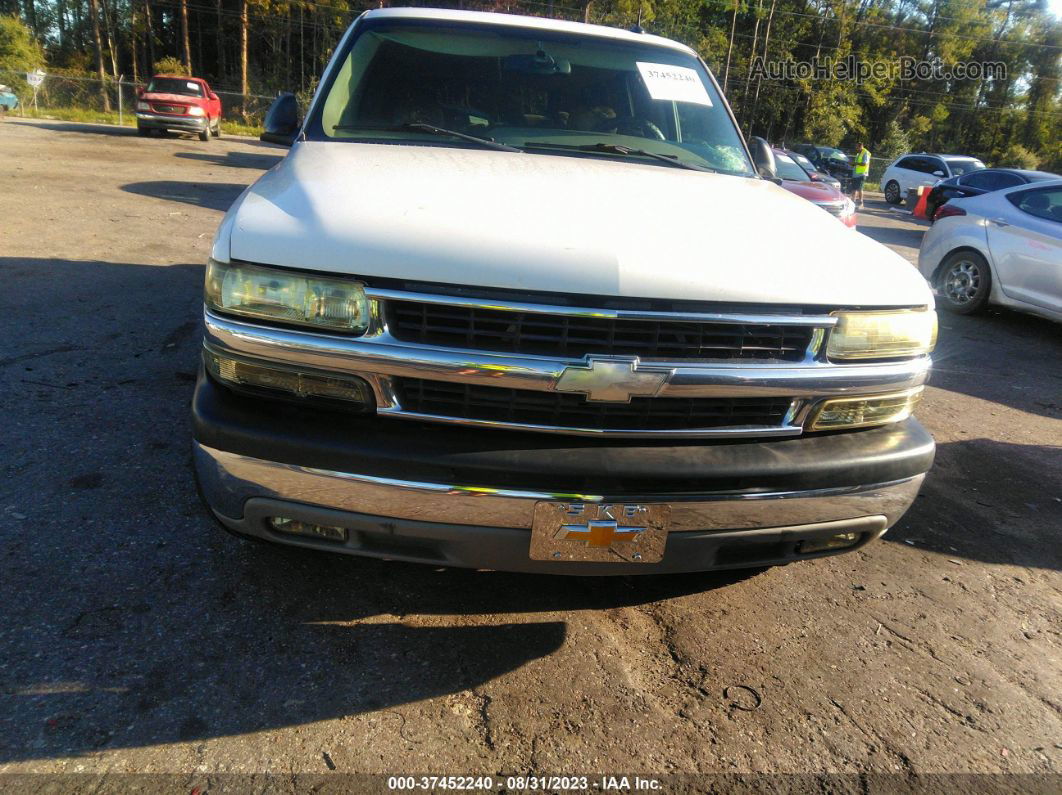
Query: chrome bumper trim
(228, 480)
(382, 355)
(175, 121)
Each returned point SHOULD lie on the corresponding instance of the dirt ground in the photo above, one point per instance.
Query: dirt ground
(135, 636)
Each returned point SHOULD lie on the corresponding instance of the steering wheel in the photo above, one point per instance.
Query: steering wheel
(630, 125)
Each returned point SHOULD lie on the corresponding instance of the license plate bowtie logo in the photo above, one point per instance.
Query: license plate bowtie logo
(604, 528)
(611, 380)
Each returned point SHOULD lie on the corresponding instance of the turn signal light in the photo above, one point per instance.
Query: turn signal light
(296, 528)
(304, 385)
(826, 543)
(862, 412)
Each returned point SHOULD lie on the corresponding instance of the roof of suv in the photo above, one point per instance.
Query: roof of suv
(515, 21)
(1032, 176)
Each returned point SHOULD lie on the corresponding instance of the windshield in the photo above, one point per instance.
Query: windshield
(964, 166)
(556, 91)
(804, 163)
(175, 85)
(828, 153)
(788, 169)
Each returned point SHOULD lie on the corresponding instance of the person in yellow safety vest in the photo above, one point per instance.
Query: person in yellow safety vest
(859, 173)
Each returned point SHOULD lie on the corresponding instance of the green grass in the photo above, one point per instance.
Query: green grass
(78, 114)
(128, 120)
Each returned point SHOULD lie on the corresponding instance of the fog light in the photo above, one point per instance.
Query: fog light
(296, 528)
(234, 371)
(838, 541)
(861, 412)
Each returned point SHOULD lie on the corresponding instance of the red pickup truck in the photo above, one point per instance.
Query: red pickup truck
(174, 102)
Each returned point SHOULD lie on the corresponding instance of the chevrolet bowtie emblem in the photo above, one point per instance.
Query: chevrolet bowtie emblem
(598, 533)
(612, 379)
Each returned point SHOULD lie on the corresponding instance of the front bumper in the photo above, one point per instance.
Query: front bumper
(465, 497)
(160, 121)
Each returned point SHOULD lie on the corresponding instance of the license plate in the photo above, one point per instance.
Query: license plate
(591, 532)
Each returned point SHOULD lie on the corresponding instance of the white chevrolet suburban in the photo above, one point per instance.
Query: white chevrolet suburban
(521, 297)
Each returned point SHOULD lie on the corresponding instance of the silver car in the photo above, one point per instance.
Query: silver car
(1002, 248)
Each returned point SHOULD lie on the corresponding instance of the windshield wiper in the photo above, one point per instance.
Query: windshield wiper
(620, 149)
(416, 126)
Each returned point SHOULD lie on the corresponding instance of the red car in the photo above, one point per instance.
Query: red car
(796, 180)
(173, 102)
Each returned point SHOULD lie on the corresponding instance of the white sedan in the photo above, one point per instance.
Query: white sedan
(1003, 248)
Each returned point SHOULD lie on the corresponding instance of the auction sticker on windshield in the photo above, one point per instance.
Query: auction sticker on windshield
(677, 83)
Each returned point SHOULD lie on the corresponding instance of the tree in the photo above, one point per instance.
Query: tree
(1017, 156)
(895, 143)
(94, 17)
(244, 30)
(19, 51)
(186, 51)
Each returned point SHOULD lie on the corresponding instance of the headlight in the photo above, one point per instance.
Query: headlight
(287, 297)
(195, 110)
(848, 208)
(862, 412)
(142, 106)
(882, 335)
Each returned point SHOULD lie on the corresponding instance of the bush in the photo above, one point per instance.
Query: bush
(1017, 156)
(170, 66)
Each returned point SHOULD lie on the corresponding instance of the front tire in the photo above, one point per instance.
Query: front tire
(143, 132)
(965, 282)
(205, 135)
(892, 192)
(217, 128)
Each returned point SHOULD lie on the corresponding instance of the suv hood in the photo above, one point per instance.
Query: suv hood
(545, 223)
(814, 191)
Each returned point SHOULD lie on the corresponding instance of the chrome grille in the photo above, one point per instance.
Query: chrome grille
(176, 109)
(540, 334)
(558, 410)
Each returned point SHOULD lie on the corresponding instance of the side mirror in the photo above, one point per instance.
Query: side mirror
(814, 177)
(282, 121)
(763, 158)
(213, 96)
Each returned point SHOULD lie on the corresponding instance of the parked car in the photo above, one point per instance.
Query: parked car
(913, 171)
(571, 293)
(8, 99)
(829, 159)
(821, 194)
(814, 173)
(985, 180)
(174, 102)
(1002, 247)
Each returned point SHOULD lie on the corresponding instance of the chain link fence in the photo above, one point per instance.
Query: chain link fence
(80, 98)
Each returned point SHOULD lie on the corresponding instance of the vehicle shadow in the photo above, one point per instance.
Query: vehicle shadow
(80, 127)
(892, 236)
(132, 620)
(212, 195)
(1025, 373)
(261, 162)
(981, 501)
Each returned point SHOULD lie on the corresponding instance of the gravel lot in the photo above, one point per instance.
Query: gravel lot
(137, 637)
